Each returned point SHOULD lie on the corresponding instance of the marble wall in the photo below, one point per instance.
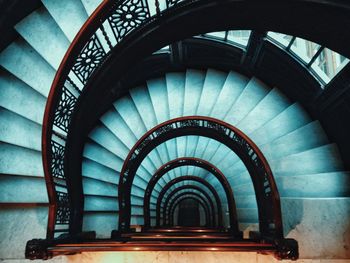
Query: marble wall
(321, 226)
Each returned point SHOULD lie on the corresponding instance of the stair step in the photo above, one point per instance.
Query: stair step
(18, 160)
(22, 224)
(12, 188)
(231, 90)
(18, 97)
(96, 187)
(105, 139)
(193, 90)
(98, 203)
(102, 223)
(99, 154)
(292, 118)
(26, 64)
(40, 30)
(247, 215)
(318, 160)
(66, 11)
(212, 86)
(19, 131)
(269, 107)
(319, 185)
(96, 170)
(252, 94)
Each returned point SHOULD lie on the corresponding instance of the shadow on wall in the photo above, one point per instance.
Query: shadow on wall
(321, 226)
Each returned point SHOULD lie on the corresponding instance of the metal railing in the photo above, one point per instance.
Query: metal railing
(111, 22)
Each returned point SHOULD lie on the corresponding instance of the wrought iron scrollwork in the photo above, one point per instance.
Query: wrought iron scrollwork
(57, 162)
(64, 110)
(89, 59)
(63, 208)
(86, 55)
(259, 170)
(128, 16)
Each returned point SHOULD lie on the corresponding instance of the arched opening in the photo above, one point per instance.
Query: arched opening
(189, 178)
(265, 188)
(174, 193)
(188, 214)
(187, 161)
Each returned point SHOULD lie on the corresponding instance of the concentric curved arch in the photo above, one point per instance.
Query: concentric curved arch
(189, 161)
(182, 179)
(186, 187)
(266, 192)
(197, 198)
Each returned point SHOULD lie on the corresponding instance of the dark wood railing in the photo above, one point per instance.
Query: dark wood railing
(111, 22)
(108, 26)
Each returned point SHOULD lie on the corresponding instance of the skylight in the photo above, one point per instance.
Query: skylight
(322, 62)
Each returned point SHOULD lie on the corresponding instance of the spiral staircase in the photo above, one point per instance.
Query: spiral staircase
(311, 179)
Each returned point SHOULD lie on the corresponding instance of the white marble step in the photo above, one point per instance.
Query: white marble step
(97, 187)
(322, 159)
(247, 215)
(99, 154)
(302, 139)
(269, 107)
(102, 223)
(107, 139)
(318, 160)
(91, 5)
(292, 118)
(252, 94)
(106, 158)
(158, 93)
(192, 82)
(19, 160)
(65, 12)
(107, 142)
(98, 171)
(100, 203)
(18, 97)
(104, 203)
(212, 86)
(132, 118)
(22, 224)
(26, 64)
(141, 98)
(317, 185)
(230, 92)
(40, 30)
(22, 189)
(19, 131)
(176, 84)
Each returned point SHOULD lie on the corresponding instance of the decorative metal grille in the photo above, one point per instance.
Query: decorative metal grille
(127, 17)
(57, 161)
(63, 209)
(64, 110)
(89, 59)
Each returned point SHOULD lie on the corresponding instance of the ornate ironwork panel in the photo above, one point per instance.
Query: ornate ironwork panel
(259, 170)
(63, 208)
(64, 110)
(173, 2)
(57, 161)
(89, 59)
(127, 16)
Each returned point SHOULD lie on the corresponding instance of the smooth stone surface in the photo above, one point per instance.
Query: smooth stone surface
(321, 226)
(17, 226)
